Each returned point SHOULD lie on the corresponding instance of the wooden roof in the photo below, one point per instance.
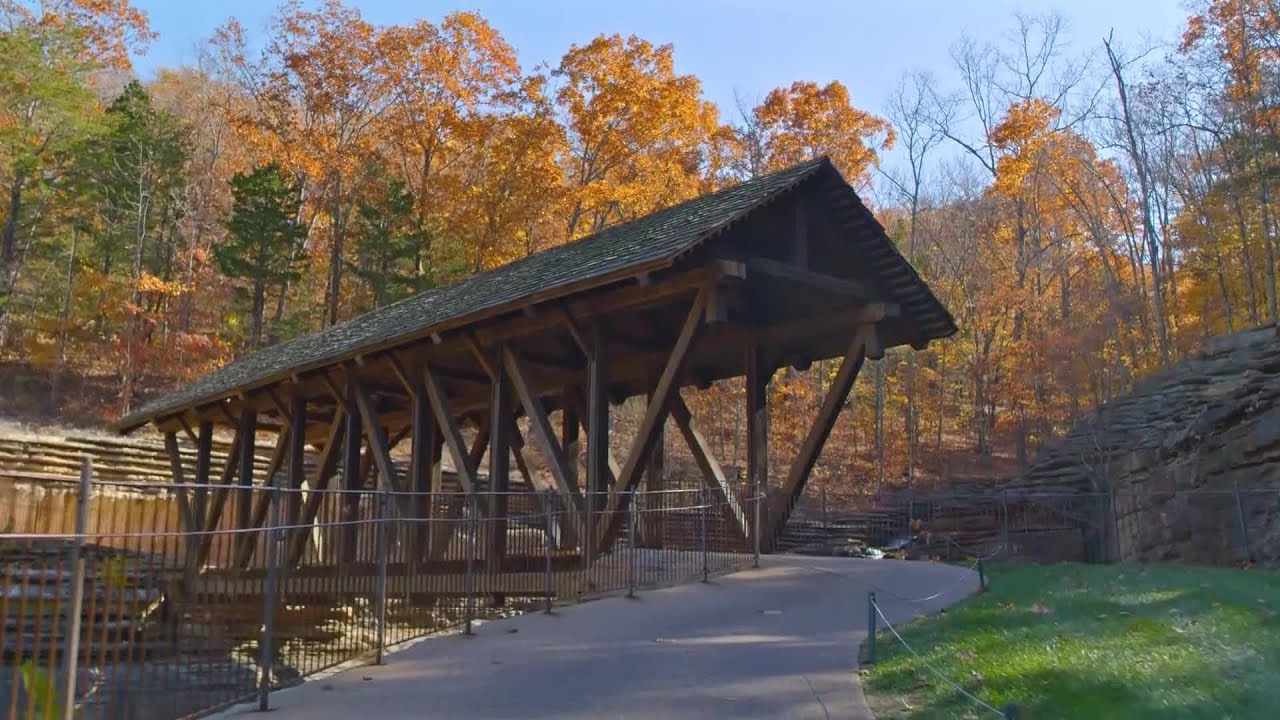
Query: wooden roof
(649, 244)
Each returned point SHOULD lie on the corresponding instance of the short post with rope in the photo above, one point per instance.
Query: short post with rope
(871, 628)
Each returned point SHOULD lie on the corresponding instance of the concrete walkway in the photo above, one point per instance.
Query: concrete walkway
(779, 642)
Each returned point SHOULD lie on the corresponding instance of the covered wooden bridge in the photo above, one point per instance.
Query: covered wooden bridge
(784, 269)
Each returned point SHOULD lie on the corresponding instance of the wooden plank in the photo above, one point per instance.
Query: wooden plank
(655, 415)
(712, 474)
(809, 278)
(759, 372)
(820, 430)
(514, 584)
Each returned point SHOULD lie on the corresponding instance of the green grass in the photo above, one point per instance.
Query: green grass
(1094, 641)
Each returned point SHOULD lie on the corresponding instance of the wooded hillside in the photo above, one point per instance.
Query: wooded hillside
(1088, 212)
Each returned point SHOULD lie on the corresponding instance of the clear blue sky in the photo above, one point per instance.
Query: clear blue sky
(748, 46)
(735, 46)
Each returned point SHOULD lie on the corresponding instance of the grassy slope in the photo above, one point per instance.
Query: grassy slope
(1094, 641)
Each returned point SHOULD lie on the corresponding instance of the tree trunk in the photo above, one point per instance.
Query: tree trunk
(259, 307)
(333, 291)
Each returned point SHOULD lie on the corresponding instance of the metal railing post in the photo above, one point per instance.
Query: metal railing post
(871, 628)
(547, 513)
(982, 576)
(702, 534)
(825, 522)
(266, 649)
(77, 590)
(757, 495)
(380, 590)
(1004, 523)
(474, 524)
(631, 546)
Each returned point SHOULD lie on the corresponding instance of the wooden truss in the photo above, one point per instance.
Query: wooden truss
(356, 419)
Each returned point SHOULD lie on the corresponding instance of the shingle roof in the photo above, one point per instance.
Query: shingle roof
(661, 236)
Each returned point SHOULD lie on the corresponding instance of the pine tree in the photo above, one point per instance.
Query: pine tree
(262, 237)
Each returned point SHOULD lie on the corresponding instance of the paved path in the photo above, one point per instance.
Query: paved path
(779, 642)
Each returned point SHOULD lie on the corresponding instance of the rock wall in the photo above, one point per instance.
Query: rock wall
(1189, 461)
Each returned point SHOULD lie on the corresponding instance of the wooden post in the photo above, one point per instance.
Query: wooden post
(499, 462)
(570, 440)
(654, 529)
(329, 455)
(422, 469)
(351, 479)
(204, 464)
(244, 496)
(297, 459)
(597, 434)
(185, 513)
(757, 387)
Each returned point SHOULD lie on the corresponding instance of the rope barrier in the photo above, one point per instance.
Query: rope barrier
(937, 673)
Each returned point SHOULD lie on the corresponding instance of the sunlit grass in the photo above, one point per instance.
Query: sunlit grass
(1094, 641)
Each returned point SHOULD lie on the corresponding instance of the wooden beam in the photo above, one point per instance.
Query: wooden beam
(820, 430)
(655, 482)
(655, 415)
(220, 496)
(422, 463)
(482, 358)
(575, 331)
(262, 508)
(758, 374)
(712, 474)
(501, 415)
(597, 419)
(204, 462)
(800, 249)
(398, 369)
(448, 423)
(352, 478)
(297, 459)
(570, 442)
(278, 404)
(185, 514)
(316, 487)
(380, 450)
(244, 495)
(801, 276)
(338, 396)
(543, 434)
